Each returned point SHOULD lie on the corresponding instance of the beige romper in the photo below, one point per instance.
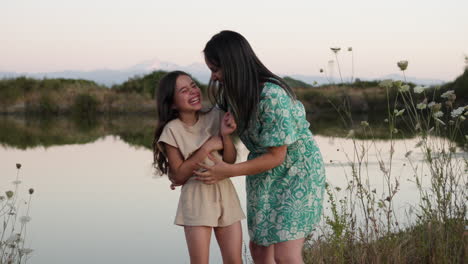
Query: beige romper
(202, 204)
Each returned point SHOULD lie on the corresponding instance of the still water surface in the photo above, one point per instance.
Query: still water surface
(99, 202)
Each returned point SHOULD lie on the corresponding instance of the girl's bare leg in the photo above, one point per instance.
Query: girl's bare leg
(230, 242)
(198, 243)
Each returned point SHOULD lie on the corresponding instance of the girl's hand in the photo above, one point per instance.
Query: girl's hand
(174, 185)
(228, 124)
(214, 143)
(213, 174)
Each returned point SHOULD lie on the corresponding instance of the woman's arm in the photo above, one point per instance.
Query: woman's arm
(181, 170)
(228, 126)
(221, 170)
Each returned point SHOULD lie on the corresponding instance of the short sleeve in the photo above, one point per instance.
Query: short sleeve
(168, 137)
(277, 123)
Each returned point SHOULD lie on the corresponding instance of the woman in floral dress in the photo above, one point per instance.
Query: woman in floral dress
(285, 171)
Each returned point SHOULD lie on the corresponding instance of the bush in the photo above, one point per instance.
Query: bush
(85, 105)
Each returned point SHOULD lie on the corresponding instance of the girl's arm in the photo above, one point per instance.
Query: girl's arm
(222, 170)
(229, 150)
(181, 170)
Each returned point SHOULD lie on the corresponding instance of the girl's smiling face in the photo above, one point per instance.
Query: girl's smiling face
(187, 95)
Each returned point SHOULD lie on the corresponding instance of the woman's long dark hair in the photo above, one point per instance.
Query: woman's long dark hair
(166, 113)
(243, 73)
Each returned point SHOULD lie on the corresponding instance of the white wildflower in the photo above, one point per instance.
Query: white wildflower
(402, 65)
(335, 49)
(438, 114)
(431, 104)
(350, 133)
(386, 83)
(419, 89)
(462, 118)
(404, 88)
(364, 123)
(455, 113)
(399, 112)
(447, 94)
(421, 106)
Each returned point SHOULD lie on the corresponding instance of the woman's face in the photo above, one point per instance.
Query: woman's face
(216, 74)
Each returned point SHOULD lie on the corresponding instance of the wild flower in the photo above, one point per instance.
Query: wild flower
(404, 88)
(403, 64)
(386, 83)
(421, 106)
(455, 113)
(399, 112)
(9, 194)
(350, 133)
(335, 49)
(364, 123)
(12, 240)
(438, 114)
(419, 89)
(447, 94)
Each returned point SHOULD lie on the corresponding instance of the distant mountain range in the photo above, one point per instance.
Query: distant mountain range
(199, 71)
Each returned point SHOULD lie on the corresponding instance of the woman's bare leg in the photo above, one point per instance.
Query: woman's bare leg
(261, 254)
(289, 252)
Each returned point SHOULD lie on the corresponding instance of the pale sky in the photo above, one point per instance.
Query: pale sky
(290, 37)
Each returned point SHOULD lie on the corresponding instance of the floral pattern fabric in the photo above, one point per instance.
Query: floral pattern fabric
(284, 203)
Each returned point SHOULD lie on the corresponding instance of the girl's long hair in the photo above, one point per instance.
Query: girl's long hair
(243, 75)
(166, 113)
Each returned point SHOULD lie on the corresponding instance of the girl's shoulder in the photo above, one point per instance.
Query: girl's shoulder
(213, 111)
(174, 124)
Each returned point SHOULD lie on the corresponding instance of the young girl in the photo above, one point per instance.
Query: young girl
(184, 136)
(285, 172)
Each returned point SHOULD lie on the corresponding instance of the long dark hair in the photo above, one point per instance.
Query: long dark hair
(166, 113)
(242, 73)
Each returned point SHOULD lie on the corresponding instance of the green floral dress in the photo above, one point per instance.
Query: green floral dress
(284, 203)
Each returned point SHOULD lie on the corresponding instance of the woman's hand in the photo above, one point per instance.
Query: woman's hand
(228, 124)
(213, 174)
(214, 143)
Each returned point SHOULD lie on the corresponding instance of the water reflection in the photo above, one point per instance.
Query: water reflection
(98, 201)
(28, 131)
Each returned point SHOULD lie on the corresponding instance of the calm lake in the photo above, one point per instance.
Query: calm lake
(97, 200)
